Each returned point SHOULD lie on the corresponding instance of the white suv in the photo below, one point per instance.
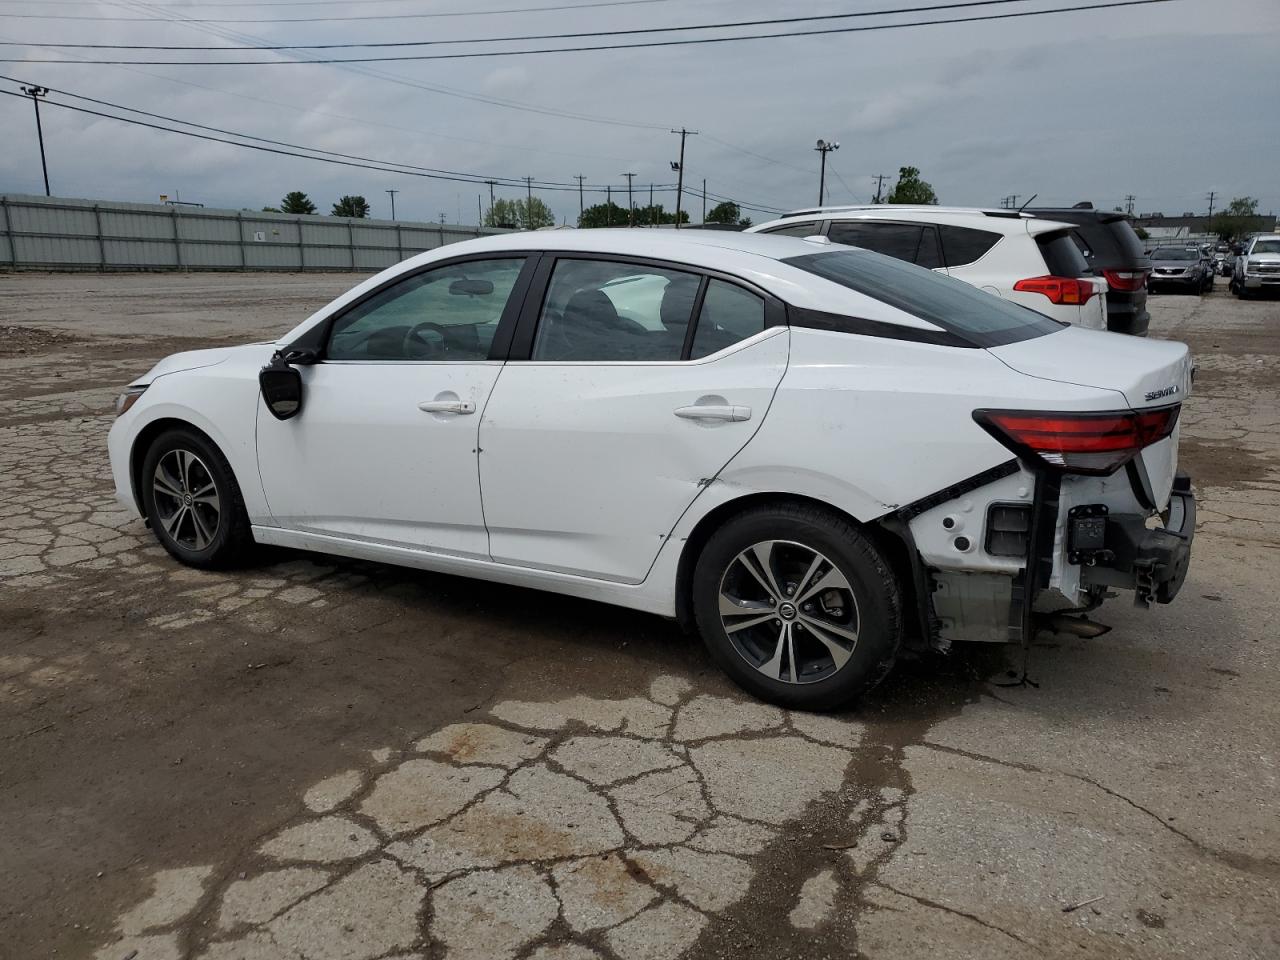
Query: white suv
(1014, 255)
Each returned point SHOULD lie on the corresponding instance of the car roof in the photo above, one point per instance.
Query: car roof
(1005, 222)
(710, 249)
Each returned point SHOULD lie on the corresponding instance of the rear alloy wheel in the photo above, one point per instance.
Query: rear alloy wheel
(798, 606)
(192, 500)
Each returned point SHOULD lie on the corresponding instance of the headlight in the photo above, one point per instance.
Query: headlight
(129, 398)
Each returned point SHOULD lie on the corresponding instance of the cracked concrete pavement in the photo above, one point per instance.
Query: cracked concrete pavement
(318, 758)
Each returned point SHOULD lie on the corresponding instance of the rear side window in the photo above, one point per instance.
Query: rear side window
(614, 312)
(976, 318)
(899, 240)
(964, 245)
(913, 242)
(796, 230)
(1062, 257)
(729, 314)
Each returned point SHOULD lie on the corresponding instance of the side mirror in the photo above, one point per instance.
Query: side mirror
(281, 387)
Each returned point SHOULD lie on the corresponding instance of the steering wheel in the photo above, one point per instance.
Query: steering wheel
(414, 334)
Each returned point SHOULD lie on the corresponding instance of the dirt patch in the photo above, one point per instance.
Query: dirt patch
(1220, 464)
(16, 341)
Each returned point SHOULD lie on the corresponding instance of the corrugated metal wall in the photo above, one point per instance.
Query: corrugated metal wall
(42, 233)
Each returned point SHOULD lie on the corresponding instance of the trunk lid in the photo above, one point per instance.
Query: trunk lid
(1146, 373)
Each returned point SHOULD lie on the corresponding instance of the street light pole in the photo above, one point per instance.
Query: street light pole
(824, 147)
(35, 93)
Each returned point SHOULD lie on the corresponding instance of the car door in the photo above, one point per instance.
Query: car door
(384, 449)
(630, 386)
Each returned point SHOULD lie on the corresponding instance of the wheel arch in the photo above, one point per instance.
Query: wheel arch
(887, 537)
(142, 443)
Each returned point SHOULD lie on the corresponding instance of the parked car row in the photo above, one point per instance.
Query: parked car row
(813, 454)
(1078, 265)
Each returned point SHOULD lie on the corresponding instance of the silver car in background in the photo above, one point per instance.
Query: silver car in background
(1183, 268)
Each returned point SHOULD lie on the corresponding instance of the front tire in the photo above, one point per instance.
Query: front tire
(798, 606)
(193, 502)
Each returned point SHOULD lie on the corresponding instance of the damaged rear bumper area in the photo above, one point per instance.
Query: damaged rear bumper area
(1013, 550)
(1121, 551)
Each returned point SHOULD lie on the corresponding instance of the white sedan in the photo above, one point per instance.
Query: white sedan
(813, 453)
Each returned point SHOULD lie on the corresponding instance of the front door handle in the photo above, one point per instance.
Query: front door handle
(447, 406)
(732, 413)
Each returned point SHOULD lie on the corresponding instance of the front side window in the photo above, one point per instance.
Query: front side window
(605, 311)
(729, 314)
(979, 319)
(449, 313)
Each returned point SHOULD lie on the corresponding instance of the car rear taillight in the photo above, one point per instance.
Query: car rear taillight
(1089, 443)
(1127, 280)
(1061, 290)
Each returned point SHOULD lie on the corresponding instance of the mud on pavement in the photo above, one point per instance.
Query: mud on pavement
(317, 758)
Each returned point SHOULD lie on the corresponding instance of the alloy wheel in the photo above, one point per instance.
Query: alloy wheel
(186, 497)
(789, 611)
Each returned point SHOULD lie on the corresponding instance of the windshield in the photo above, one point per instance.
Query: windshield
(1267, 246)
(1174, 253)
(979, 318)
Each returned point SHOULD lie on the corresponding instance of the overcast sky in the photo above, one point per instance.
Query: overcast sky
(1165, 102)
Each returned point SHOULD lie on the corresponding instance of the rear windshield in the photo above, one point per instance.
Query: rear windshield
(979, 318)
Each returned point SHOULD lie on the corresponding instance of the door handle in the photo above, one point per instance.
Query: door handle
(731, 413)
(447, 406)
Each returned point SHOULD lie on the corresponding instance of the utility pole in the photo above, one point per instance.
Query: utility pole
(880, 179)
(679, 168)
(392, 194)
(631, 207)
(824, 147)
(528, 203)
(1128, 203)
(479, 211)
(608, 205)
(35, 93)
(653, 211)
(1212, 195)
(492, 184)
(704, 199)
(581, 209)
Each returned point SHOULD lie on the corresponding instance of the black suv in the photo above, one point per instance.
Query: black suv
(1115, 253)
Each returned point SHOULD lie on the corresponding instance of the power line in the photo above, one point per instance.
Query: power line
(382, 167)
(510, 104)
(345, 3)
(505, 181)
(649, 44)
(729, 25)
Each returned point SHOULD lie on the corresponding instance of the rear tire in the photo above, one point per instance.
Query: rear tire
(798, 606)
(193, 502)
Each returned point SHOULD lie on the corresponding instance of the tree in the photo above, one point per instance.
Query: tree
(1237, 220)
(657, 213)
(356, 207)
(295, 201)
(1142, 233)
(910, 188)
(728, 212)
(604, 215)
(520, 214)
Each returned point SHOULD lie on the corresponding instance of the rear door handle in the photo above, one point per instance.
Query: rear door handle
(732, 413)
(447, 406)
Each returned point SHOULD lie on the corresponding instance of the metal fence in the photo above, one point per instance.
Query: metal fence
(40, 233)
